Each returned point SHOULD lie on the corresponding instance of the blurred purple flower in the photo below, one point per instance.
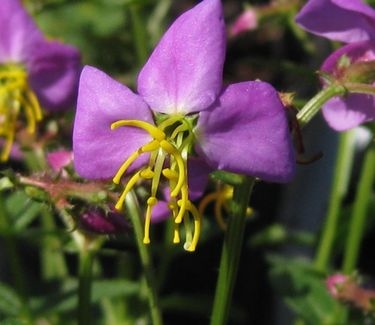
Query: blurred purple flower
(347, 21)
(353, 22)
(33, 71)
(181, 107)
(97, 222)
(343, 113)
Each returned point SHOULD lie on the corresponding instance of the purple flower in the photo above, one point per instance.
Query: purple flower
(343, 113)
(34, 72)
(346, 21)
(181, 111)
(353, 22)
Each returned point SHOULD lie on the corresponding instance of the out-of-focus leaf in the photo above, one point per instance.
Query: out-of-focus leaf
(65, 298)
(303, 290)
(21, 210)
(5, 183)
(10, 302)
(13, 321)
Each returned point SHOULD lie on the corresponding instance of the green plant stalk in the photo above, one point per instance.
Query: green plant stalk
(52, 258)
(231, 252)
(145, 256)
(14, 260)
(339, 187)
(358, 218)
(313, 106)
(139, 34)
(86, 258)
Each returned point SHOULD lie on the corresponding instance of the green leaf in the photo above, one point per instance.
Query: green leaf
(13, 321)
(10, 302)
(64, 299)
(303, 289)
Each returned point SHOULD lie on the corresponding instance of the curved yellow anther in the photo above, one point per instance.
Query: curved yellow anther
(146, 148)
(147, 173)
(7, 147)
(170, 174)
(182, 203)
(130, 184)
(35, 105)
(176, 234)
(155, 132)
(151, 201)
(15, 97)
(171, 149)
(197, 227)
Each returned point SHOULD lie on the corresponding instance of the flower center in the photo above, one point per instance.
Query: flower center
(16, 97)
(172, 140)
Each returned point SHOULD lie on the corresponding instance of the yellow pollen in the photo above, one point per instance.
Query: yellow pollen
(168, 151)
(16, 97)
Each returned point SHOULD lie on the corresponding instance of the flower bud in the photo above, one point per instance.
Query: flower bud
(98, 222)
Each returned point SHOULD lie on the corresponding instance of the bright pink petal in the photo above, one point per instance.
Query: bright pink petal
(246, 132)
(54, 74)
(184, 73)
(19, 34)
(340, 20)
(99, 151)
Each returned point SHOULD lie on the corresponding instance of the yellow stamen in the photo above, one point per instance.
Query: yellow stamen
(133, 157)
(16, 97)
(130, 184)
(156, 133)
(150, 204)
(170, 144)
(220, 197)
(190, 246)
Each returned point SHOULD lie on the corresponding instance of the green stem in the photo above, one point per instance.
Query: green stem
(313, 106)
(358, 218)
(86, 258)
(231, 252)
(144, 253)
(338, 190)
(14, 260)
(140, 34)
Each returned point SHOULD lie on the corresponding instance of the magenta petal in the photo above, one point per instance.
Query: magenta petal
(345, 113)
(350, 111)
(340, 20)
(246, 132)
(18, 32)
(184, 73)
(99, 151)
(160, 212)
(198, 174)
(54, 74)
